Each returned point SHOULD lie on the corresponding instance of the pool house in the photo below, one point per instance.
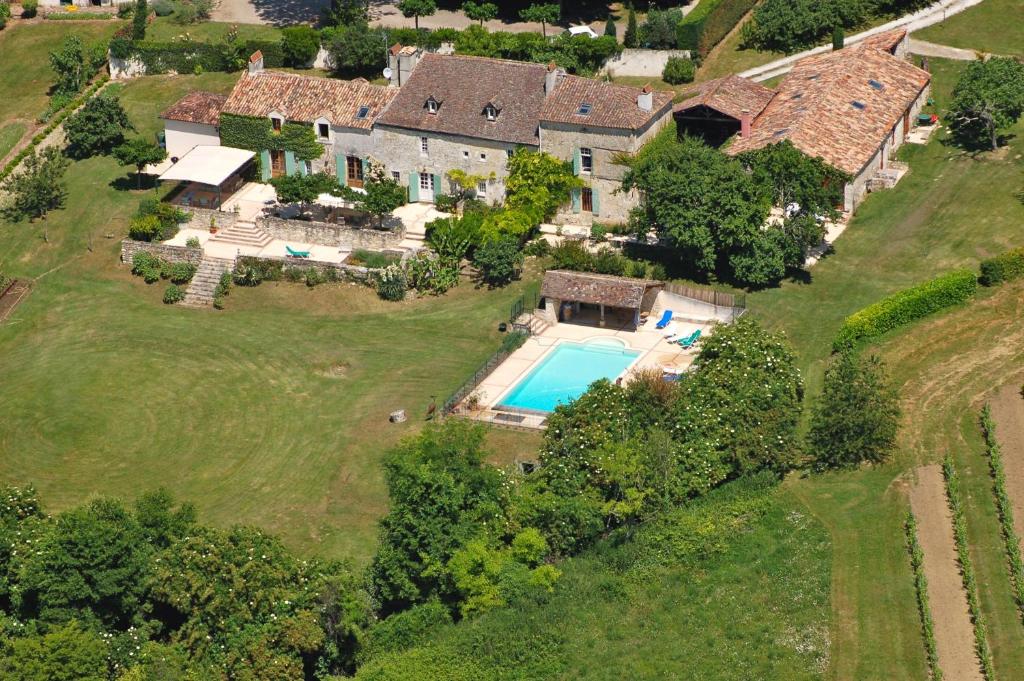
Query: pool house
(597, 299)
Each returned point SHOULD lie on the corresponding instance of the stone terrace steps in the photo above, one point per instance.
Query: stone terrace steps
(243, 233)
(205, 280)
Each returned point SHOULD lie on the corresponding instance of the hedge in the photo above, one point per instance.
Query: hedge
(709, 23)
(184, 57)
(1004, 267)
(906, 306)
(923, 606)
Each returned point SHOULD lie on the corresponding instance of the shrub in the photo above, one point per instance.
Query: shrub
(147, 266)
(678, 70)
(537, 248)
(5, 10)
(1004, 267)
(391, 283)
(145, 228)
(498, 261)
(251, 271)
(513, 340)
(29, 8)
(192, 242)
(906, 306)
(572, 255)
(294, 274)
(300, 45)
(446, 203)
(174, 294)
(3, 23)
(181, 272)
(609, 261)
(373, 260)
(403, 630)
(709, 23)
(658, 32)
(315, 276)
(125, 10)
(163, 8)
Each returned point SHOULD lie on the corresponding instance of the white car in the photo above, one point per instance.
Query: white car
(582, 30)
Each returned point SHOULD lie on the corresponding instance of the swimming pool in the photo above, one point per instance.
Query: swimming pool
(566, 373)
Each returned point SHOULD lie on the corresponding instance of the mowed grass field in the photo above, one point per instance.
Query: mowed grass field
(995, 26)
(274, 412)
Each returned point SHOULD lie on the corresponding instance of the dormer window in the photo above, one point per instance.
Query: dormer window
(585, 109)
(433, 105)
(491, 112)
(323, 130)
(276, 122)
(363, 112)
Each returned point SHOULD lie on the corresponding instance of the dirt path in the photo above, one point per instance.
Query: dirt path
(1007, 407)
(935, 50)
(954, 635)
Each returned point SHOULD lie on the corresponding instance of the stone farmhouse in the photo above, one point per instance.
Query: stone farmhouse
(852, 107)
(440, 113)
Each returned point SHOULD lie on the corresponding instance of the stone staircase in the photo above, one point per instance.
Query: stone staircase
(415, 237)
(244, 234)
(205, 280)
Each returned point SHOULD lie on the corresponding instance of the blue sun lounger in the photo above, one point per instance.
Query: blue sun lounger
(666, 317)
(296, 254)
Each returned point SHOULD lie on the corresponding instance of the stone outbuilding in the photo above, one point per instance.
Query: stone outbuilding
(587, 297)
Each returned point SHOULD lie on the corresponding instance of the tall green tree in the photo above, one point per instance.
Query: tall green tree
(69, 652)
(857, 417)
(542, 13)
(357, 50)
(139, 153)
(787, 176)
(417, 9)
(381, 194)
(71, 66)
(610, 29)
(538, 182)
(631, 38)
(139, 20)
(300, 45)
(38, 187)
(97, 127)
(987, 100)
(480, 11)
(347, 13)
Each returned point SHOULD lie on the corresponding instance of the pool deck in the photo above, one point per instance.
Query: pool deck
(656, 353)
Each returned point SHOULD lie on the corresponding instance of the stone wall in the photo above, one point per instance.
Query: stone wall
(201, 218)
(328, 234)
(347, 272)
(129, 247)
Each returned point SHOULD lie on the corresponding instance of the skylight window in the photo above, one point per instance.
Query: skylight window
(363, 112)
(875, 84)
(798, 95)
(780, 132)
(584, 109)
(813, 76)
(859, 106)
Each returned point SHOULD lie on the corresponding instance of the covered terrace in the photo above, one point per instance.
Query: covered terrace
(208, 175)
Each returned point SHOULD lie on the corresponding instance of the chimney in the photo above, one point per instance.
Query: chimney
(256, 62)
(745, 123)
(645, 100)
(551, 78)
(402, 60)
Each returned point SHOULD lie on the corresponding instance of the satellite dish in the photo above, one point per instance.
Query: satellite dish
(388, 72)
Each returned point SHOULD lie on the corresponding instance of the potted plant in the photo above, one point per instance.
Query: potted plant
(213, 225)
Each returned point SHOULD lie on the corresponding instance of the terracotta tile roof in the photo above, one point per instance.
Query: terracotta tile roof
(730, 96)
(596, 289)
(838, 105)
(304, 99)
(196, 107)
(464, 86)
(885, 41)
(611, 106)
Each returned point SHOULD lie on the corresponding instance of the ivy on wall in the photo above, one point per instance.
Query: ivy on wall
(256, 134)
(190, 56)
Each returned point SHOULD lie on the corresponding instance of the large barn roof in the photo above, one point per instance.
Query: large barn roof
(596, 289)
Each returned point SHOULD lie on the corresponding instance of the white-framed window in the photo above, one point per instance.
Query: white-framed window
(491, 113)
(424, 146)
(426, 184)
(308, 167)
(432, 105)
(586, 160)
(481, 188)
(396, 176)
(483, 157)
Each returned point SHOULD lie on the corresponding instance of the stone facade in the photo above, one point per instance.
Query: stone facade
(327, 234)
(129, 247)
(201, 218)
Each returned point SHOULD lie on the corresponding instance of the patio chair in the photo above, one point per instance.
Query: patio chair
(690, 340)
(296, 254)
(666, 317)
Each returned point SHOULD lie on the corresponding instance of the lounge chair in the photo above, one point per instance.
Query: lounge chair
(666, 317)
(690, 340)
(296, 254)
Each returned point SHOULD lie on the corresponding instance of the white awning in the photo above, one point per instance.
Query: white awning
(207, 164)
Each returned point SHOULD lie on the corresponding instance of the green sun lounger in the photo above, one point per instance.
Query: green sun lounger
(690, 340)
(296, 254)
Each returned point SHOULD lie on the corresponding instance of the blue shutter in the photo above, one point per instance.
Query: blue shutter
(577, 201)
(577, 162)
(414, 187)
(289, 163)
(437, 186)
(342, 169)
(264, 165)
(593, 199)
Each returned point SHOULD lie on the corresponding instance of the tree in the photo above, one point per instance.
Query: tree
(988, 99)
(498, 260)
(139, 20)
(790, 25)
(303, 189)
(381, 194)
(838, 38)
(609, 27)
(539, 182)
(466, 184)
(140, 153)
(543, 13)
(357, 50)
(65, 653)
(417, 9)
(300, 45)
(708, 207)
(631, 38)
(38, 187)
(858, 415)
(787, 175)
(480, 11)
(678, 70)
(97, 127)
(72, 64)
(659, 29)
(347, 13)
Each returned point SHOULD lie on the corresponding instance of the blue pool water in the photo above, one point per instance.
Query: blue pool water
(566, 373)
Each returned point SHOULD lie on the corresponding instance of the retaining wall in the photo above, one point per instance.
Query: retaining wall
(329, 234)
(129, 247)
(348, 272)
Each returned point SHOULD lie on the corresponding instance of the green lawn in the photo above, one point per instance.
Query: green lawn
(165, 28)
(995, 26)
(758, 610)
(10, 134)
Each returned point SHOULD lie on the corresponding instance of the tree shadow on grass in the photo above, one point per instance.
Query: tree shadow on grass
(130, 183)
(286, 12)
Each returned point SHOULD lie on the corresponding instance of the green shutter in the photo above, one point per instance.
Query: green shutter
(302, 168)
(289, 163)
(366, 169)
(577, 163)
(264, 165)
(593, 200)
(342, 169)
(414, 187)
(577, 201)
(437, 186)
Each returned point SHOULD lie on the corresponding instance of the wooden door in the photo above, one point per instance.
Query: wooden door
(354, 171)
(276, 163)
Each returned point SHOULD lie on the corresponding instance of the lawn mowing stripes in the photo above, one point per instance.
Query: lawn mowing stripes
(923, 606)
(955, 498)
(1014, 564)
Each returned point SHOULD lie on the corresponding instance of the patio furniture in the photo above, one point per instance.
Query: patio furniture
(666, 317)
(296, 254)
(690, 340)
(671, 330)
